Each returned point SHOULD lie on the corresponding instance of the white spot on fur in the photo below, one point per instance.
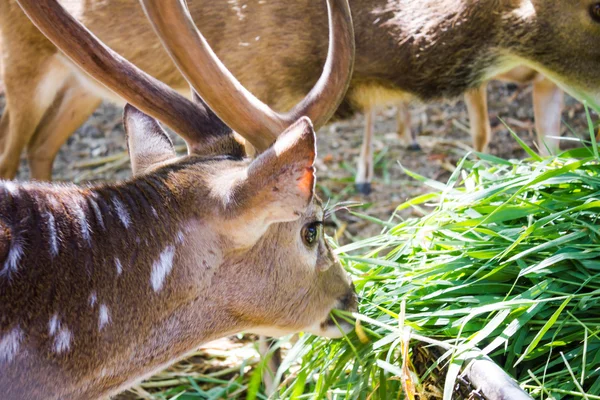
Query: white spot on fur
(103, 317)
(122, 212)
(525, 10)
(93, 299)
(239, 9)
(154, 212)
(161, 268)
(97, 213)
(11, 187)
(53, 234)
(10, 344)
(62, 341)
(119, 266)
(54, 203)
(82, 219)
(17, 249)
(53, 325)
(180, 237)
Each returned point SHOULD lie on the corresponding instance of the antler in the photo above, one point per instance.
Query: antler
(225, 95)
(195, 123)
(229, 100)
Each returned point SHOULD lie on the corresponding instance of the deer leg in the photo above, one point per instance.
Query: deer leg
(72, 109)
(404, 130)
(272, 365)
(477, 108)
(28, 98)
(548, 102)
(365, 169)
(264, 347)
(3, 128)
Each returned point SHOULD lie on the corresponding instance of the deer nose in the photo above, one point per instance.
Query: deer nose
(349, 302)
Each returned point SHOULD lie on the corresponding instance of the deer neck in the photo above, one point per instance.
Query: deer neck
(115, 274)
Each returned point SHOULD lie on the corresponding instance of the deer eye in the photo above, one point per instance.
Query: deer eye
(595, 12)
(311, 233)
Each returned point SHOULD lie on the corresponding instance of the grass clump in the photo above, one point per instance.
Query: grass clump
(505, 262)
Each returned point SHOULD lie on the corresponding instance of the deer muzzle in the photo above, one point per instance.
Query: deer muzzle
(332, 327)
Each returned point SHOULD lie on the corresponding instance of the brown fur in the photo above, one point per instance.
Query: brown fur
(102, 286)
(425, 49)
(262, 279)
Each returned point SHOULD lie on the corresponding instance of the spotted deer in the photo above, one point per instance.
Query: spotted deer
(102, 286)
(405, 49)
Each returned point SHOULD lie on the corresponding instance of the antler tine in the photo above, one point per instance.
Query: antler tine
(197, 124)
(225, 95)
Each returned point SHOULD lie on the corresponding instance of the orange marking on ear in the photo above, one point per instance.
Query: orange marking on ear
(306, 182)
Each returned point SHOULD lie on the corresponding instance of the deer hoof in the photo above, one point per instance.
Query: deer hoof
(364, 188)
(414, 147)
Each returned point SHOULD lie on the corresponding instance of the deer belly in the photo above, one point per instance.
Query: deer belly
(367, 96)
(100, 90)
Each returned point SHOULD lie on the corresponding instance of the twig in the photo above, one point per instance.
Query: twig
(93, 162)
(460, 126)
(105, 168)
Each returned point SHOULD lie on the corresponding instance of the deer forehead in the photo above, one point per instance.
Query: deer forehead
(292, 230)
(223, 181)
(314, 212)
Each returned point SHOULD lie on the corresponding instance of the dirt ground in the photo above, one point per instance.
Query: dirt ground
(97, 151)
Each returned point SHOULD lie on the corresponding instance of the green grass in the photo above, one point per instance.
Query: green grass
(505, 262)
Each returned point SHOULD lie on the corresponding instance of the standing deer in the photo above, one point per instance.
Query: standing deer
(406, 49)
(102, 286)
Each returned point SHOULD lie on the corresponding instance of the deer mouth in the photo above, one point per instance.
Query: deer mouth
(349, 302)
(330, 329)
(336, 328)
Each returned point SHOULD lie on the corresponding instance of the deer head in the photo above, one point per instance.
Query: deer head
(546, 33)
(102, 286)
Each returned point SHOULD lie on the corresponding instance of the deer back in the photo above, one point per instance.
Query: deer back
(404, 48)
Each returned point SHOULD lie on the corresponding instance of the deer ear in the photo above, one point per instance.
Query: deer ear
(148, 143)
(280, 182)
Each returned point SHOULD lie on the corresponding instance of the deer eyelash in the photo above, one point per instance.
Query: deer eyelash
(344, 205)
